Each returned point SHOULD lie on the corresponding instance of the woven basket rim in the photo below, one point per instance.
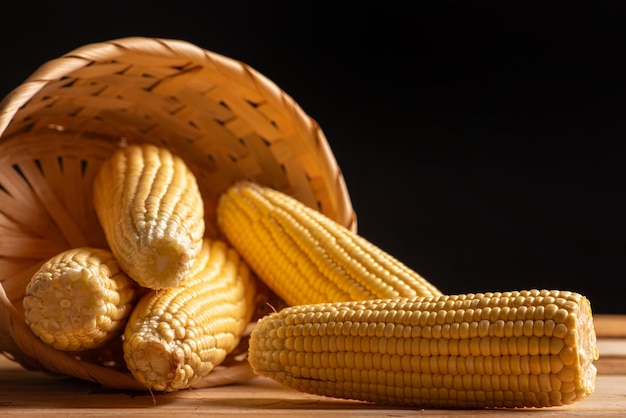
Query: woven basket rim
(84, 56)
(77, 58)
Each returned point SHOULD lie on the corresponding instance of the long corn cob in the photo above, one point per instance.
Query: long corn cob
(79, 299)
(176, 336)
(510, 349)
(304, 256)
(152, 213)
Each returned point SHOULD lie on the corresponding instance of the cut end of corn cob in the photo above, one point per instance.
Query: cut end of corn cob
(306, 257)
(166, 258)
(177, 336)
(495, 350)
(79, 299)
(152, 213)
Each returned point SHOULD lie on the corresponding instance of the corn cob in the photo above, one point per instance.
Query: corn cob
(79, 299)
(152, 213)
(306, 257)
(176, 336)
(493, 350)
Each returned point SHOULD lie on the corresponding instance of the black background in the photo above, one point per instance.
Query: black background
(481, 144)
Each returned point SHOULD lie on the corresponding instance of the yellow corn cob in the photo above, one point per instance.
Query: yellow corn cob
(510, 349)
(304, 256)
(79, 299)
(176, 336)
(152, 213)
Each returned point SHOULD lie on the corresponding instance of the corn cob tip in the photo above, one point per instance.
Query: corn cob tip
(168, 258)
(79, 299)
(159, 363)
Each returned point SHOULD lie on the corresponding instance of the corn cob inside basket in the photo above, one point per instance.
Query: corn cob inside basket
(176, 336)
(494, 350)
(79, 299)
(151, 210)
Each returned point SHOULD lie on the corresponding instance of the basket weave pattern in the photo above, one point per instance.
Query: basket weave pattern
(226, 120)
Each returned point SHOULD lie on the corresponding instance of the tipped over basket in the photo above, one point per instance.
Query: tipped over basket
(226, 120)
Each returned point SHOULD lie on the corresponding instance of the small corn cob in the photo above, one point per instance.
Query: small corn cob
(79, 299)
(152, 213)
(176, 336)
(306, 257)
(493, 350)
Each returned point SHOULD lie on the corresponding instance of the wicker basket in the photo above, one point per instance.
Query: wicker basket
(224, 118)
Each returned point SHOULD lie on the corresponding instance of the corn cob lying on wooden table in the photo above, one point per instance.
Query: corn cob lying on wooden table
(356, 331)
(30, 393)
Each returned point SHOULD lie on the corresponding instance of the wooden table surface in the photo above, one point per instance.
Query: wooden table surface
(26, 393)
